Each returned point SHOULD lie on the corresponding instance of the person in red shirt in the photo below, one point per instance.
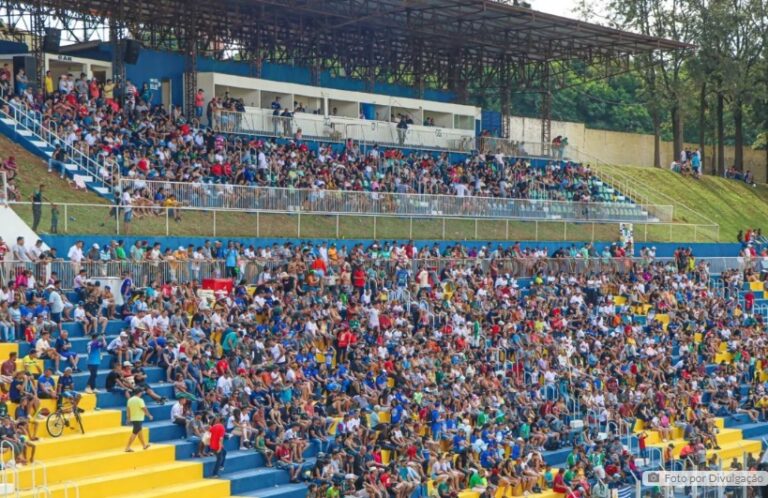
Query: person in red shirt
(217, 444)
(285, 461)
(358, 280)
(558, 483)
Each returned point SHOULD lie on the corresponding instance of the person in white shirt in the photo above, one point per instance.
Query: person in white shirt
(75, 255)
(19, 251)
(35, 251)
(179, 413)
(45, 351)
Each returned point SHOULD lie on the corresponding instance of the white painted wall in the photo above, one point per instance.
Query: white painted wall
(12, 226)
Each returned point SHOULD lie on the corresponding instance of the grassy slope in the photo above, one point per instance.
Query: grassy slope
(732, 204)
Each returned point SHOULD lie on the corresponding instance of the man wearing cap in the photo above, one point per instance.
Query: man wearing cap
(65, 389)
(136, 411)
(118, 347)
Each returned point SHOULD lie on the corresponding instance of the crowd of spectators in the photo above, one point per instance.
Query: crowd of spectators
(744, 176)
(116, 126)
(688, 164)
(405, 368)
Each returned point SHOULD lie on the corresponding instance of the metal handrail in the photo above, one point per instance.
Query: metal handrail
(227, 196)
(175, 269)
(45, 135)
(654, 451)
(10, 466)
(33, 467)
(71, 485)
(45, 491)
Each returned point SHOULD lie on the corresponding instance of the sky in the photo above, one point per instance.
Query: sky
(560, 7)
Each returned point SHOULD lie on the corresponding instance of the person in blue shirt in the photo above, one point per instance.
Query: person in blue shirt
(436, 422)
(231, 262)
(64, 348)
(46, 386)
(397, 413)
(65, 389)
(95, 347)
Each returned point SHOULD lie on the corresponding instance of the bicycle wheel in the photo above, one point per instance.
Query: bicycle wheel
(55, 424)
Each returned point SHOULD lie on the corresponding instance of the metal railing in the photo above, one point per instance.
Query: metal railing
(10, 484)
(340, 128)
(73, 486)
(291, 200)
(102, 219)
(46, 131)
(146, 272)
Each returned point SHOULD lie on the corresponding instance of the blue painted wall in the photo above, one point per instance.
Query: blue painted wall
(62, 243)
(492, 122)
(169, 65)
(11, 47)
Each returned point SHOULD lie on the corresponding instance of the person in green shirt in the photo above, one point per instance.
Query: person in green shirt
(260, 445)
(229, 342)
(478, 482)
(482, 418)
(120, 251)
(332, 492)
(136, 411)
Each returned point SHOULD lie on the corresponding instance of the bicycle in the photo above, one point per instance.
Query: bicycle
(58, 420)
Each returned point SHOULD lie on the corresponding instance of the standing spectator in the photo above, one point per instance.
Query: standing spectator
(217, 444)
(199, 103)
(19, 251)
(48, 84)
(95, 347)
(37, 206)
(5, 80)
(402, 130)
(136, 412)
(21, 82)
(56, 162)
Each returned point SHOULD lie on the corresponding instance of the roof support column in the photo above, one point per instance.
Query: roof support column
(118, 58)
(38, 32)
(190, 69)
(546, 112)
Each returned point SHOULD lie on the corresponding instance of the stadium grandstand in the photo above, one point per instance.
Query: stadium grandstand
(138, 366)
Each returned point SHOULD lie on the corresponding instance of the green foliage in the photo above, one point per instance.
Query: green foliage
(730, 58)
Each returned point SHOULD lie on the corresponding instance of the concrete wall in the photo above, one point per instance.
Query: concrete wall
(626, 148)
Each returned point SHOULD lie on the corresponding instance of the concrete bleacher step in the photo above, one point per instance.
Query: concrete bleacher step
(245, 481)
(117, 400)
(286, 491)
(237, 460)
(209, 488)
(142, 478)
(91, 441)
(75, 467)
(727, 450)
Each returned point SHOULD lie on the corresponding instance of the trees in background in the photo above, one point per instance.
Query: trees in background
(715, 94)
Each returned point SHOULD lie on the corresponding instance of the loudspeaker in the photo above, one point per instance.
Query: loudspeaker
(131, 52)
(29, 65)
(52, 40)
